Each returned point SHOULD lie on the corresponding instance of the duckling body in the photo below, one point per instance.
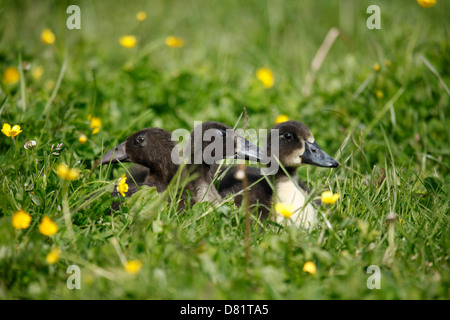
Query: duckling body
(292, 195)
(291, 144)
(260, 190)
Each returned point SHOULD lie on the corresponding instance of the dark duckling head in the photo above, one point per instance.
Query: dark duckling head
(212, 141)
(150, 147)
(297, 146)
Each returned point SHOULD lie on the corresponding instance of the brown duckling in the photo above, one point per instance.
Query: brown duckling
(296, 146)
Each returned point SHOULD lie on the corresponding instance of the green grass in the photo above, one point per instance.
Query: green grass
(393, 149)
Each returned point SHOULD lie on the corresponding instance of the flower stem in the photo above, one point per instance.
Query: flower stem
(14, 154)
(66, 211)
(242, 168)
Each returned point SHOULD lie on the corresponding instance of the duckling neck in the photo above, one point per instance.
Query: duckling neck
(162, 173)
(291, 172)
(170, 171)
(202, 188)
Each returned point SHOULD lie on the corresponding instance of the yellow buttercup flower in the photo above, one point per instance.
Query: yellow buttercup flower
(310, 267)
(21, 220)
(82, 139)
(47, 227)
(37, 72)
(329, 198)
(133, 266)
(281, 118)
(426, 3)
(49, 84)
(379, 94)
(284, 210)
(67, 173)
(141, 15)
(122, 186)
(11, 132)
(265, 75)
(376, 67)
(96, 124)
(53, 256)
(128, 41)
(48, 37)
(11, 76)
(174, 42)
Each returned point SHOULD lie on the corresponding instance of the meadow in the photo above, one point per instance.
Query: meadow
(378, 102)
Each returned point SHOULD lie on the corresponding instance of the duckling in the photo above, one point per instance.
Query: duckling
(150, 149)
(227, 144)
(154, 150)
(296, 146)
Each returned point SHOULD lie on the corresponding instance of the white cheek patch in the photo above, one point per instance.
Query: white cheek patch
(294, 159)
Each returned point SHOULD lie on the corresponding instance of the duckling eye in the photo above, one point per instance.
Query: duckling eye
(288, 136)
(140, 139)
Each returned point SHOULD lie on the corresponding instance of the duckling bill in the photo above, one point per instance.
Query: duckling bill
(315, 156)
